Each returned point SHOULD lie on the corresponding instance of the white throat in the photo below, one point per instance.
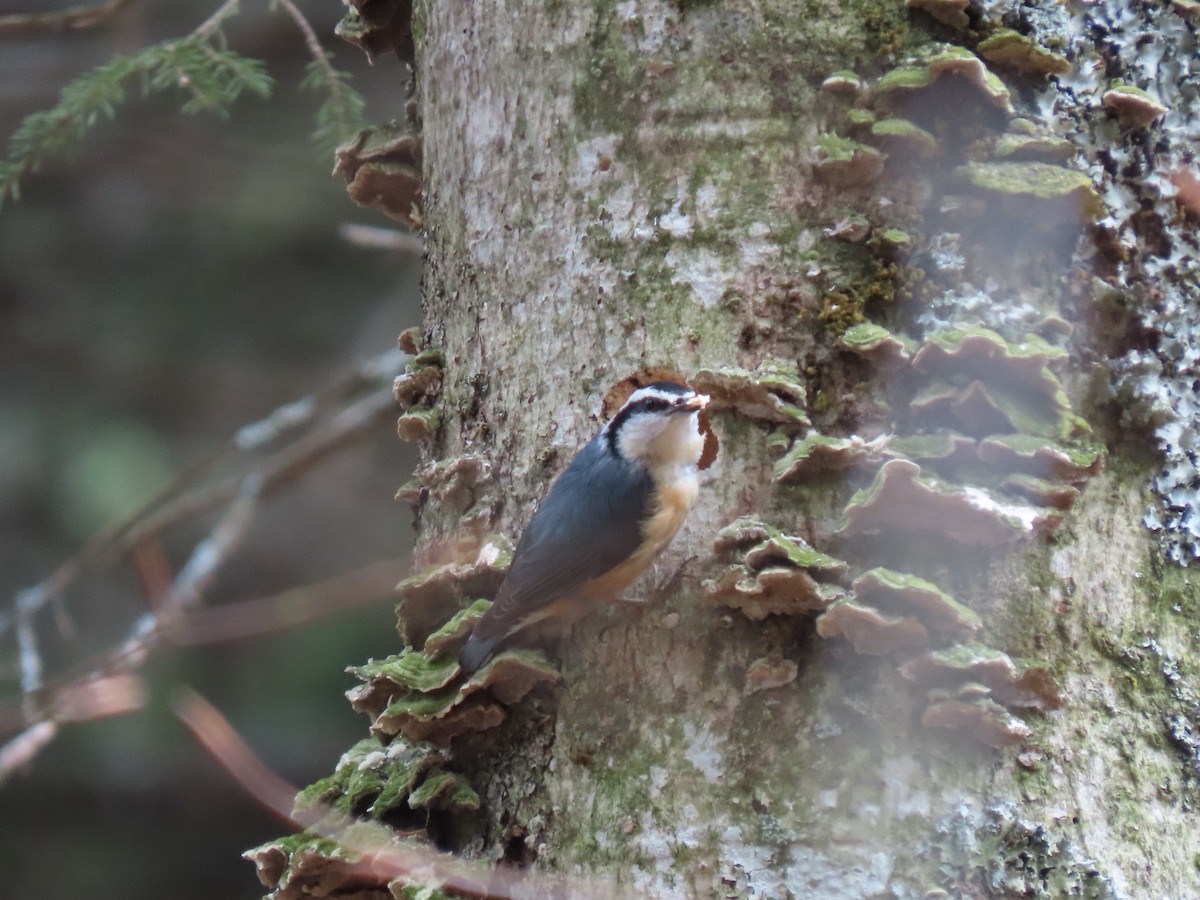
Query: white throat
(664, 445)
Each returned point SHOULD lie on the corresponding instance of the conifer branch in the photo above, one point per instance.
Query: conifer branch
(340, 117)
(199, 64)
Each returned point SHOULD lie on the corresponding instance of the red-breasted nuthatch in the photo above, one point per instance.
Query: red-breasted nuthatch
(607, 516)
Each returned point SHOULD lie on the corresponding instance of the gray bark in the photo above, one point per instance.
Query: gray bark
(615, 185)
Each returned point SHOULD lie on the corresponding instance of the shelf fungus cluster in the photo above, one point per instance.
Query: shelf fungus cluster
(1020, 172)
(416, 391)
(382, 167)
(770, 393)
(889, 612)
(988, 454)
(984, 451)
(419, 694)
(400, 784)
(972, 689)
(772, 573)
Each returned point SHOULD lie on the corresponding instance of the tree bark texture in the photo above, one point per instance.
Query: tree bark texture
(611, 186)
(633, 185)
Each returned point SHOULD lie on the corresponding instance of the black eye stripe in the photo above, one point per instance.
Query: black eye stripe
(648, 404)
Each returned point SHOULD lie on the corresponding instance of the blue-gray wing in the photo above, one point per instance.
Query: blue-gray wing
(589, 523)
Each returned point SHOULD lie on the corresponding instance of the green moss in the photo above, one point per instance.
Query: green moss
(1035, 181)
(905, 130)
(1013, 50)
(840, 149)
(895, 238)
(905, 78)
(412, 669)
(860, 117)
(445, 790)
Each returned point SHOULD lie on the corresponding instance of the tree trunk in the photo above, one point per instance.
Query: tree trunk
(979, 685)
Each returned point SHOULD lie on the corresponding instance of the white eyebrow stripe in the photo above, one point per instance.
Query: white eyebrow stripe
(647, 392)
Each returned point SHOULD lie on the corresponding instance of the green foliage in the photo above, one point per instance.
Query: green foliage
(342, 115)
(211, 75)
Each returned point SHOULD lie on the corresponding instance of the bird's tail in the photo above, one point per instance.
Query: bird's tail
(477, 651)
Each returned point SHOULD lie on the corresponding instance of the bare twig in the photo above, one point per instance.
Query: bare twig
(213, 22)
(372, 237)
(184, 499)
(335, 419)
(291, 608)
(75, 18)
(93, 697)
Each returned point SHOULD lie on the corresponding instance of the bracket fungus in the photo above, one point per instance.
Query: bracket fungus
(877, 344)
(770, 393)
(851, 228)
(437, 717)
(816, 454)
(512, 674)
(378, 26)
(990, 385)
(431, 596)
(1133, 107)
(846, 163)
(419, 425)
(382, 167)
(1035, 192)
(871, 631)
(899, 499)
(1046, 148)
(842, 82)
(767, 673)
(1072, 463)
(421, 381)
(1024, 687)
(1041, 491)
(980, 409)
(920, 75)
(982, 719)
(302, 866)
(934, 447)
(948, 12)
(776, 575)
(902, 593)
(455, 481)
(1011, 50)
(902, 137)
(415, 694)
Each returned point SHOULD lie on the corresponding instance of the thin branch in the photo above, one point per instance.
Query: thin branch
(92, 697)
(213, 22)
(342, 111)
(76, 18)
(185, 499)
(336, 418)
(372, 237)
(311, 41)
(288, 609)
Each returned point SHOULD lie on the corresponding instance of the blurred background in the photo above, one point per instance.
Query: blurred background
(181, 278)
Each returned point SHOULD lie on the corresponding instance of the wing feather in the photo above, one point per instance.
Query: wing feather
(589, 522)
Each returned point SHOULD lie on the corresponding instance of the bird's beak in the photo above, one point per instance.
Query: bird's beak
(694, 403)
